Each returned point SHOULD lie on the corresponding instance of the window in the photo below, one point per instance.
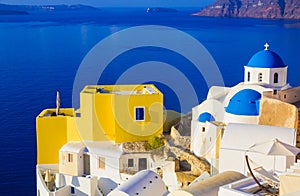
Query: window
(142, 164)
(248, 76)
(130, 162)
(101, 163)
(139, 113)
(72, 190)
(203, 129)
(260, 77)
(70, 158)
(275, 78)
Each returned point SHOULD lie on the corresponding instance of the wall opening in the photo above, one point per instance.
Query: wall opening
(260, 77)
(275, 78)
(248, 76)
(101, 163)
(139, 113)
(70, 157)
(130, 163)
(142, 164)
(72, 190)
(184, 165)
(86, 164)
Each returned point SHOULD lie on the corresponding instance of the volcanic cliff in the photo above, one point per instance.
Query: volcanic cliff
(271, 9)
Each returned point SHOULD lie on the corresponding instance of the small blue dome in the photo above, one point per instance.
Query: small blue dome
(266, 59)
(245, 102)
(205, 116)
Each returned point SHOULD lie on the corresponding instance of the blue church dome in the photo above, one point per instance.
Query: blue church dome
(205, 116)
(245, 102)
(266, 59)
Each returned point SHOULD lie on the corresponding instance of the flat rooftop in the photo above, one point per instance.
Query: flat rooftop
(143, 89)
(62, 112)
(246, 186)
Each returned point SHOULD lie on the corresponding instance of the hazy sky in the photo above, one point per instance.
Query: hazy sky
(113, 3)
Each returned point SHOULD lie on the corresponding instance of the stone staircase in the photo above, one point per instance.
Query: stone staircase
(295, 168)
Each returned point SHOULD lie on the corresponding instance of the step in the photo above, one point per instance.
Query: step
(295, 167)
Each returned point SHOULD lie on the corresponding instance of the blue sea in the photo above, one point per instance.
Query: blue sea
(41, 53)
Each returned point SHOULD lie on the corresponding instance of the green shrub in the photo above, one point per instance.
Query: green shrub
(155, 142)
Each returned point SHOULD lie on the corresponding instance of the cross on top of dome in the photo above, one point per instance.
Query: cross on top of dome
(266, 46)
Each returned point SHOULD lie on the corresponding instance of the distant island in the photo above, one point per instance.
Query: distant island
(268, 9)
(160, 9)
(6, 9)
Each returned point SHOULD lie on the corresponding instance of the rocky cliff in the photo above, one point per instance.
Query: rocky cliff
(271, 9)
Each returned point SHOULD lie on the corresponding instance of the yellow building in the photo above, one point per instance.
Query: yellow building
(119, 113)
(52, 132)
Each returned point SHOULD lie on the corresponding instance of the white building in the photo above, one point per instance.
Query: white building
(98, 168)
(105, 160)
(209, 186)
(237, 140)
(288, 183)
(265, 71)
(243, 187)
(72, 159)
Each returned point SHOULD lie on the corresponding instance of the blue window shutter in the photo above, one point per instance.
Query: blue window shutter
(139, 114)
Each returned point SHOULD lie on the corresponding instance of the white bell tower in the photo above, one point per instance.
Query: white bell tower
(266, 68)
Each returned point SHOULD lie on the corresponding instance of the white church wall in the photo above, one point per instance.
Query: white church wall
(242, 86)
(197, 137)
(218, 93)
(265, 76)
(231, 118)
(214, 107)
(212, 143)
(282, 76)
(257, 75)
(204, 143)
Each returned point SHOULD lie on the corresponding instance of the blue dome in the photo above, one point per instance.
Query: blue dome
(245, 102)
(266, 59)
(205, 116)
